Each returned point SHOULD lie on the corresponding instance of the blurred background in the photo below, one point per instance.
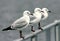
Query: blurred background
(10, 10)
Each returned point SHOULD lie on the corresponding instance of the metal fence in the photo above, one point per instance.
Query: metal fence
(33, 36)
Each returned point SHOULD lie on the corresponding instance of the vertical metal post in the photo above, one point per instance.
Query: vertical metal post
(59, 32)
(56, 30)
(34, 38)
(48, 36)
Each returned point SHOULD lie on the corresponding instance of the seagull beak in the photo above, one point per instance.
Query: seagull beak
(31, 14)
(49, 11)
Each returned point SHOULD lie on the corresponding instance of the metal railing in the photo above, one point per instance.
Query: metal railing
(34, 37)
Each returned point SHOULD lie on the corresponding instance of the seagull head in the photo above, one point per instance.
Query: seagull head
(37, 10)
(45, 9)
(27, 13)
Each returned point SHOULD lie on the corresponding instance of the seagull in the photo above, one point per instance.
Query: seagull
(44, 13)
(37, 14)
(20, 23)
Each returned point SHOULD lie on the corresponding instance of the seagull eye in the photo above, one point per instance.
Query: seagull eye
(38, 10)
(27, 12)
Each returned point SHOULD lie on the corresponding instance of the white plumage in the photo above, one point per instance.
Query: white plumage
(37, 17)
(44, 13)
(37, 14)
(22, 22)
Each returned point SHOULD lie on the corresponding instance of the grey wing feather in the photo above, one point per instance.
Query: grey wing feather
(20, 23)
(20, 26)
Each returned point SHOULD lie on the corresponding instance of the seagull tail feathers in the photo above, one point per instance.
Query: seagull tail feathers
(8, 28)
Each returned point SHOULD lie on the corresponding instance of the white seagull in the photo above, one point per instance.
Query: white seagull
(44, 13)
(37, 14)
(20, 23)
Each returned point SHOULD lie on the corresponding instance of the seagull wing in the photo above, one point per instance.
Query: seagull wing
(19, 23)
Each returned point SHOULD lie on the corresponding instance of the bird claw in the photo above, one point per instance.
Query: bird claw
(40, 28)
(33, 30)
(22, 37)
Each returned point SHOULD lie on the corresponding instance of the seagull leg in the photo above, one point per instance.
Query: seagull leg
(32, 29)
(39, 26)
(21, 36)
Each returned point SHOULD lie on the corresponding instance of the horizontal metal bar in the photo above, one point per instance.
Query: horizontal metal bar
(39, 31)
